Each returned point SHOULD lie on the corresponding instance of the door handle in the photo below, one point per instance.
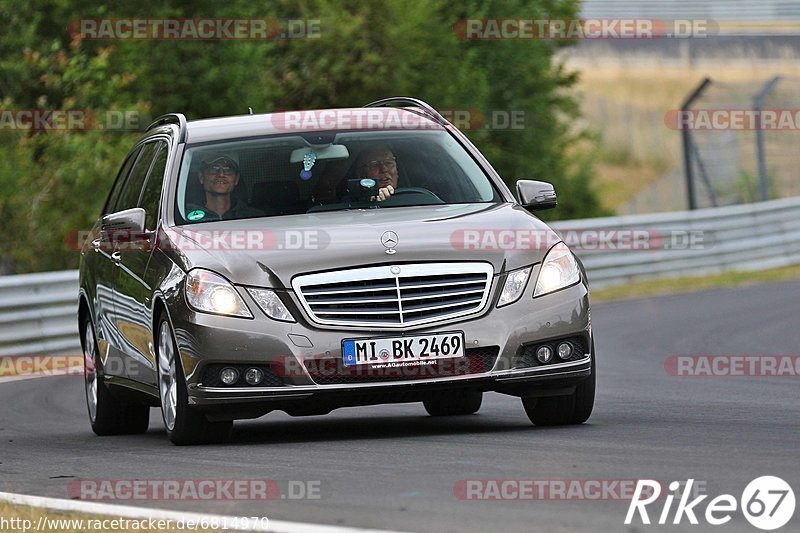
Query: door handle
(116, 256)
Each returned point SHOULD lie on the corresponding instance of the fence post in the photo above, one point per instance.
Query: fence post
(687, 143)
(758, 102)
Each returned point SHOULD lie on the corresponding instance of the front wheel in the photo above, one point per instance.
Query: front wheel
(575, 408)
(107, 414)
(184, 424)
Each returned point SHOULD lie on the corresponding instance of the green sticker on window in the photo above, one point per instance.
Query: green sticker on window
(196, 215)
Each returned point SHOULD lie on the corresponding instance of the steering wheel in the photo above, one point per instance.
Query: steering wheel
(425, 196)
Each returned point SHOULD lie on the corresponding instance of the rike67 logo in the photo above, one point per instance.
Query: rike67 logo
(767, 502)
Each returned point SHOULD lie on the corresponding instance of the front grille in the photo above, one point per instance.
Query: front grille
(395, 295)
(332, 371)
(211, 376)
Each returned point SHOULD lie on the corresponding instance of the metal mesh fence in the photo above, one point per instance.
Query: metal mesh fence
(723, 160)
(781, 157)
(736, 164)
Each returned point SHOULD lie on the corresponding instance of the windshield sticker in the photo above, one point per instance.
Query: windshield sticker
(308, 161)
(197, 214)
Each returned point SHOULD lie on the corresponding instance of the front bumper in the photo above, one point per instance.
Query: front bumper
(205, 340)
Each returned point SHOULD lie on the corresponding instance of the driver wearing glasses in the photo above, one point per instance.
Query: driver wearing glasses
(380, 165)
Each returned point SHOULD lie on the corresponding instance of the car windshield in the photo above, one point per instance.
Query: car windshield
(304, 173)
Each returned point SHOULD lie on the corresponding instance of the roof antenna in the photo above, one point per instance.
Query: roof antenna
(250, 110)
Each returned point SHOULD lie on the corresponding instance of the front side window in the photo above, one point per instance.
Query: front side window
(119, 183)
(290, 175)
(151, 195)
(133, 186)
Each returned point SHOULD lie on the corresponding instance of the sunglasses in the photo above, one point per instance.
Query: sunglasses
(216, 169)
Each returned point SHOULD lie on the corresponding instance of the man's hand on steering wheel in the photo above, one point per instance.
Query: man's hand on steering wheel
(384, 193)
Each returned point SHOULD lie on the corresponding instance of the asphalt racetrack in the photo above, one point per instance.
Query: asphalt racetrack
(394, 467)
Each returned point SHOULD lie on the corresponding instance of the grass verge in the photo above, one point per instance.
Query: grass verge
(660, 287)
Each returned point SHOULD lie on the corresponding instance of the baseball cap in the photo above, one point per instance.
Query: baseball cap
(221, 157)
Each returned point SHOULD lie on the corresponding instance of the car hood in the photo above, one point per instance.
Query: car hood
(271, 251)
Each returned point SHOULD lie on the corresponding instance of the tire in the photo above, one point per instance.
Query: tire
(575, 408)
(107, 414)
(185, 425)
(454, 404)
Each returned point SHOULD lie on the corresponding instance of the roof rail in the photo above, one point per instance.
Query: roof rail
(172, 118)
(415, 102)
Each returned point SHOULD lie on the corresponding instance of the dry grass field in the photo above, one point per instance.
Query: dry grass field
(624, 104)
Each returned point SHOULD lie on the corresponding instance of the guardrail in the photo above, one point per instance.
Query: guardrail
(740, 237)
(38, 312)
(744, 11)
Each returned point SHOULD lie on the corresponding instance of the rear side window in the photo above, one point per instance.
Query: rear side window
(122, 176)
(152, 190)
(133, 186)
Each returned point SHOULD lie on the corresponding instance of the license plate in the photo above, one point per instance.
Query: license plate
(402, 351)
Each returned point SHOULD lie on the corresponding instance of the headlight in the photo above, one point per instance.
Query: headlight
(559, 270)
(211, 293)
(514, 287)
(272, 306)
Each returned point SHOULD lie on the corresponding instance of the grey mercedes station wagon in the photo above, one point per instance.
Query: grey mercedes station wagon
(306, 261)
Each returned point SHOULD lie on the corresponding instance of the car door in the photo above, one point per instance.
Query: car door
(102, 266)
(134, 284)
(128, 326)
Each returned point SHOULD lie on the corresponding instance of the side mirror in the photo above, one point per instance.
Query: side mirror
(129, 220)
(125, 226)
(536, 195)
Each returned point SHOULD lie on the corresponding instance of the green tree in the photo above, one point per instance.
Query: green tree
(54, 182)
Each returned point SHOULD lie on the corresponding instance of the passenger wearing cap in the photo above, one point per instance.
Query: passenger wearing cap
(219, 175)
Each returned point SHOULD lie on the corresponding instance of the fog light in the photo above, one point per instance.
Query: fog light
(229, 376)
(544, 354)
(253, 376)
(564, 350)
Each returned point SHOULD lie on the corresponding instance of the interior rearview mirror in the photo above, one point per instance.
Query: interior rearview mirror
(332, 151)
